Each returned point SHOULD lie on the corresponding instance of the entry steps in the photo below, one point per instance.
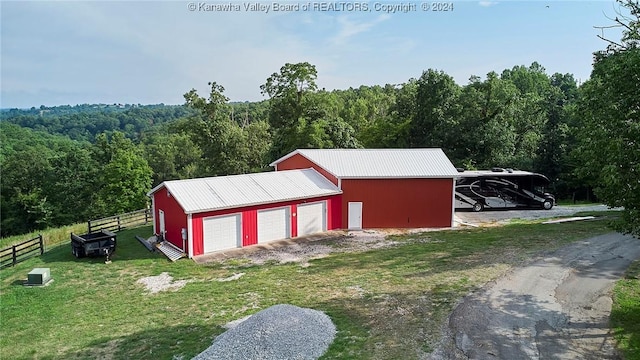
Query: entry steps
(171, 251)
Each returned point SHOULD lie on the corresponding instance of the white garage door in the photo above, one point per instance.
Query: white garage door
(221, 232)
(273, 225)
(312, 218)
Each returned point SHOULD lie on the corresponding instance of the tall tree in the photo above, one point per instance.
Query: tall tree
(610, 106)
(228, 145)
(436, 115)
(487, 135)
(530, 111)
(71, 182)
(221, 140)
(25, 206)
(289, 90)
(553, 156)
(126, 180)
(172, 156)
(302, 117)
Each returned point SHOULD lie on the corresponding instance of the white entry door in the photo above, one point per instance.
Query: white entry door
(355, 216)
(312, 218)
(163, 227)
(221, 232)
(273, 224)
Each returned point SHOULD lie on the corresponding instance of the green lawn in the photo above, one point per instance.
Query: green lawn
(387, 304)
(625, 313)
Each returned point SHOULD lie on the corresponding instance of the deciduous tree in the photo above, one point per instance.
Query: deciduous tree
(610, 107)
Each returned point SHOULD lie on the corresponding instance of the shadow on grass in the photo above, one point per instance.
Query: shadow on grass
(173, 342)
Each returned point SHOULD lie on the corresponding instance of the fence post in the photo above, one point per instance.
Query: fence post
(15, 256)
(118, 222)
(146, 216)
(89, 226)
(41, 244)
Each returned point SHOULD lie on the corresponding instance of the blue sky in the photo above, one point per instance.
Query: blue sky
(59, 52)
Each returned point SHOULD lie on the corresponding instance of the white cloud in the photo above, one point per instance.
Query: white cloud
(350, 28)
(487, 3)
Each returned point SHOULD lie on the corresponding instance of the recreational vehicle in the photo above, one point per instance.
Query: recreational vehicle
(500, 189)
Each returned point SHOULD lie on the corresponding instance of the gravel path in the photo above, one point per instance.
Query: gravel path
(277, 333)
(502, 216)
(555, 308)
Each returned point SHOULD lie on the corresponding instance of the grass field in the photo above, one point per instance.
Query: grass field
(51, 237)
(387, 304)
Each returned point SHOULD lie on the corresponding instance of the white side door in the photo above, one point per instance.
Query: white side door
(163, 227)
(355, 215)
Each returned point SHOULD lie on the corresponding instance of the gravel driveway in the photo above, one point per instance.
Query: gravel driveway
(501, 216)
(555, 308)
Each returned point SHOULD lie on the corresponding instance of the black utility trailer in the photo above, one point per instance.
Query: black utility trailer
(102, 243)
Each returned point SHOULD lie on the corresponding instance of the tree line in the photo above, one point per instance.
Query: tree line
(65, 165)
(85, 122)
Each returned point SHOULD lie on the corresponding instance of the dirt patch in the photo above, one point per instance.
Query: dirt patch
(162, 282)
(354, 241)
(231, 278)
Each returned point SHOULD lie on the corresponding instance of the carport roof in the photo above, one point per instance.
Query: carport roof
(380, 163)
(226, 192)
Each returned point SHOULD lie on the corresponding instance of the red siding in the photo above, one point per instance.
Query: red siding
(174, 217)
(400, 203)
(250, 219)
(298, 161)
(334, 213)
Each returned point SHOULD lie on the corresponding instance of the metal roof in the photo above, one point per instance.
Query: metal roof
(503, 173)
(225, 192)
(380, 163)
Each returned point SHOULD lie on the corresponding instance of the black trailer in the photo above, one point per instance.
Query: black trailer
(102, 243)
(502, 188)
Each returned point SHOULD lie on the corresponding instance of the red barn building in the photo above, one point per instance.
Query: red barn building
(218, 213)
(384, 188)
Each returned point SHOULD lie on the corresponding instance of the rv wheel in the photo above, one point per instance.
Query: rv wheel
(547, 204)
(477, 207)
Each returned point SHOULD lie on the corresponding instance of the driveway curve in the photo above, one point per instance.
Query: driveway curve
(502, 216)
(555, 308)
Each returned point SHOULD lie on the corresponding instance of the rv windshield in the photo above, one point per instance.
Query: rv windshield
(539, 184)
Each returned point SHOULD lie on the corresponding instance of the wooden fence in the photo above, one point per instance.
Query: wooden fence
(14, 254)
(119, 222)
